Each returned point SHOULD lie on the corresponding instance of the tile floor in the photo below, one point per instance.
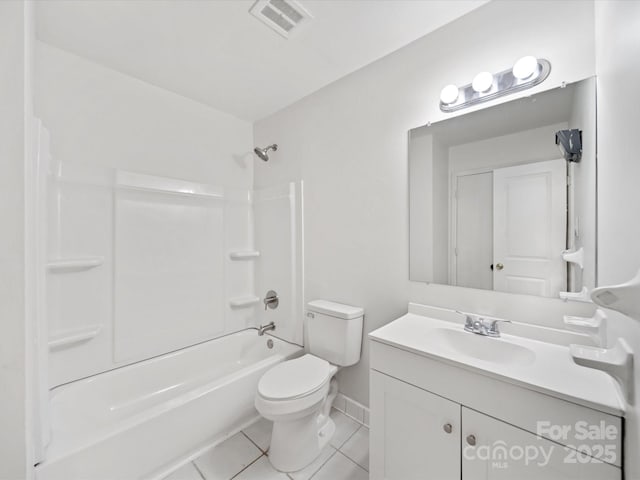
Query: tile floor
(244, 456)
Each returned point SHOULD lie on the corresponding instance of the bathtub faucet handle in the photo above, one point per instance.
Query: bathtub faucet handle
(271, 300)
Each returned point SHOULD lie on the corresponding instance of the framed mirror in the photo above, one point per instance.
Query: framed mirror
(494, 202)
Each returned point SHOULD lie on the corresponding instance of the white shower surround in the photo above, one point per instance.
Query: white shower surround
(138, 266)
(146, 419)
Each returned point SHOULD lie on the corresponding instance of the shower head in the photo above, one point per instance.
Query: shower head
(263, 153)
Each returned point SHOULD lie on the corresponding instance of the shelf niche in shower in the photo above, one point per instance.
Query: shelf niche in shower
(243, 301)
(76, 264)
(74, 337)
(244, 255)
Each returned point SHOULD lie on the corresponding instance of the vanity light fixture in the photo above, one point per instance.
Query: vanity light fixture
(526, 72)
(525, 67)
(482, 82)
(449, 94)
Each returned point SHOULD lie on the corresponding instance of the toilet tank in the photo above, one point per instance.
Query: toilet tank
(334, 331)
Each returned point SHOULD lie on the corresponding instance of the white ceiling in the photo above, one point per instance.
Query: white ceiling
(215, 52)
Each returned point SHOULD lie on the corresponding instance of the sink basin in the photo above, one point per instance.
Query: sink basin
(496, 350)
(544, 367)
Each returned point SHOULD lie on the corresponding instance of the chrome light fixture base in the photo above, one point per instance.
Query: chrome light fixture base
(504, 83)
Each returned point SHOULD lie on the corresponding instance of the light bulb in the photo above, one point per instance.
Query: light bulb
(449, 94)
(482, 82)
(525, 67)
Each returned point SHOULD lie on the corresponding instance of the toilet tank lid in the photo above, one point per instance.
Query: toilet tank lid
(339, 310)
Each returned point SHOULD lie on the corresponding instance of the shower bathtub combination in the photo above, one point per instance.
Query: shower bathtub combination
(146, 419)
(148, 352)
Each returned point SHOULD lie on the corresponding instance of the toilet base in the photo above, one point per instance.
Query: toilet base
(296, 444)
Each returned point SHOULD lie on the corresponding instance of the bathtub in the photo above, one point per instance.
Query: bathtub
(146, 419)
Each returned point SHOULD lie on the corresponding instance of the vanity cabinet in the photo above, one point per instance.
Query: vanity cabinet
(414, 431)
(440, 419)
(418, 435)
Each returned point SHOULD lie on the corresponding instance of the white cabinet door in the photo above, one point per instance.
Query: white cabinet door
(529, 228)
(494, 450)
(410, 434)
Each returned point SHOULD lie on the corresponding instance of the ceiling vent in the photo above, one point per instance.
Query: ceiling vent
(283, 16)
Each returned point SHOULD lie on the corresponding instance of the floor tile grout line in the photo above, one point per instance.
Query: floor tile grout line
(256, 445)
(234, 476)
(198, 470)
(347, 441)
(355, 463)
(345, 455)
(263, 453)
(348, 438)
(335, 450)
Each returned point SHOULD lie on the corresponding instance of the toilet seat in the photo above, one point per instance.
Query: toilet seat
(294, 379)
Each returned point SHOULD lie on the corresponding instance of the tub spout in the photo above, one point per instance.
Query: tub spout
(266, 328)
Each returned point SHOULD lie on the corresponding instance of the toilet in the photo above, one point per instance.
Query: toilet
(297, 394)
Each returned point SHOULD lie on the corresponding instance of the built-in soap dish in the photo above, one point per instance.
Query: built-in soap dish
(244, 255)
(595, 327)
(581, 296)
(616, 361)
(624, 298)
(74, 264)
(72, 338)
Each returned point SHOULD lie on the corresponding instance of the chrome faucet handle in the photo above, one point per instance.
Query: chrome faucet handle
(468, 320)
(493, 326)
(271, 300)
(265, 328)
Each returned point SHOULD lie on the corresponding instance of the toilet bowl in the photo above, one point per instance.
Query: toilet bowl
(297, 395)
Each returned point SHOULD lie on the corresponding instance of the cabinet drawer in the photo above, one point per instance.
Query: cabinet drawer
(537, 413)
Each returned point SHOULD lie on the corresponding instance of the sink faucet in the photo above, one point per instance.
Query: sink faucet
(482, 326)
(266, 328)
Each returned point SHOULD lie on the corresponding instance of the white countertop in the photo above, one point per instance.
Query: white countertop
(552, 372)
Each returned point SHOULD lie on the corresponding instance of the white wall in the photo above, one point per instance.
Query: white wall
(101, 117)
(618, 69)
(15, 58)
(348, 142)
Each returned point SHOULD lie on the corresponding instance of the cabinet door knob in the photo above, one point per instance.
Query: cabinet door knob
(499, 266)
(471, 440)
(447, 427)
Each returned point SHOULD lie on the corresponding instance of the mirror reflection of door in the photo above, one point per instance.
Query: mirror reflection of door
(510, 227)
(530, 225)
(473, 230)
(485, 189)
